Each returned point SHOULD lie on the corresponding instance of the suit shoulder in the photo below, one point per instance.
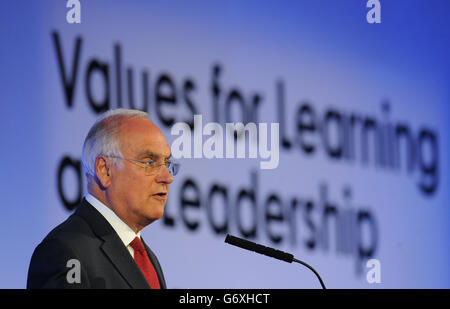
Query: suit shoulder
(67, 241)
(74, 226)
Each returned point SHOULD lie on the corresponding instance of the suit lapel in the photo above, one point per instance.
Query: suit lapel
(113, 246)
(119, 255)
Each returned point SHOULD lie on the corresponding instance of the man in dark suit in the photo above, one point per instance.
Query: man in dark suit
(128, 166)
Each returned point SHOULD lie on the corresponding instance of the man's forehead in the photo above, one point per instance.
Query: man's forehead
(144, 138)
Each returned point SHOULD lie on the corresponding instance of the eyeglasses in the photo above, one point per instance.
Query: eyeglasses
(152, 168)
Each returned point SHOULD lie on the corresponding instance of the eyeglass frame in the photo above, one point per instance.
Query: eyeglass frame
(147, 165)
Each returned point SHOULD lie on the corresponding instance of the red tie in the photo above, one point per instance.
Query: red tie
(144, 263)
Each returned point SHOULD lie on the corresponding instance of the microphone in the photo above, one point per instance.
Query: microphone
(277, 254)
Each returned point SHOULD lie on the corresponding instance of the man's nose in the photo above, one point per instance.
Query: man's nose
(164, 175)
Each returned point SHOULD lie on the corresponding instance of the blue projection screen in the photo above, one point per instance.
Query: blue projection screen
(353, 108)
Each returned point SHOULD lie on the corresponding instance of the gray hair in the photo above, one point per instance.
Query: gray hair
(103, 137)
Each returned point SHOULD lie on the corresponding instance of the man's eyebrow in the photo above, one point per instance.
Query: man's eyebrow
(150, 154)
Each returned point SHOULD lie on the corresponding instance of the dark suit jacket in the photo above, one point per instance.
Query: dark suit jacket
(104, 260)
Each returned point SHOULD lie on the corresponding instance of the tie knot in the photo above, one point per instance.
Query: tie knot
(137, 245)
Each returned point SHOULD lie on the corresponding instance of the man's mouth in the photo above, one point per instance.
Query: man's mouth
(160, 195)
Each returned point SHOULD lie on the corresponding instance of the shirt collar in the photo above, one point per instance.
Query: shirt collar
(126, 234)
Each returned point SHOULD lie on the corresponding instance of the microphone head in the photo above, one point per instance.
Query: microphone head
(249, 245)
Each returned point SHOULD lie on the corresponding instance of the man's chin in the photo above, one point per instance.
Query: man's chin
(154, 211)
(154, 216)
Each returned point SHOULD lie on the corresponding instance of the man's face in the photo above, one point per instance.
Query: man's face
(139, 199)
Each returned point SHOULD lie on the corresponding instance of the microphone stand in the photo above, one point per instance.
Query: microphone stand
(313, 270)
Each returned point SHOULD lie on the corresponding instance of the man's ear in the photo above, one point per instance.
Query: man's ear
(102, 168)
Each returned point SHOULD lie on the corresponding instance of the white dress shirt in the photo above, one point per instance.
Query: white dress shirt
(126, 234)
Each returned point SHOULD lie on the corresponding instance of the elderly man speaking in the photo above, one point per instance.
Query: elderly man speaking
(128, 166)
